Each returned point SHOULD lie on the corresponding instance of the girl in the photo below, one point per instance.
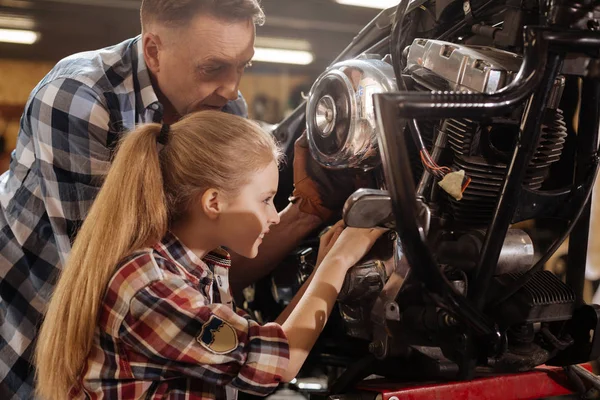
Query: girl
(142, 309)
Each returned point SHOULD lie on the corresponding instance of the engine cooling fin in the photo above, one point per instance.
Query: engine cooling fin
(543, 298)
(480, 197)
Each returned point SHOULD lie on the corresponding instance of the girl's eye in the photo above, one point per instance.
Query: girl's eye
(267, 200)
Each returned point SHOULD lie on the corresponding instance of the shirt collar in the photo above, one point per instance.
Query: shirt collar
(173, 248)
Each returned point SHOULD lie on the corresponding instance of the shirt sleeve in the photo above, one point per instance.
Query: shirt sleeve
(171, 324)
(70, 130)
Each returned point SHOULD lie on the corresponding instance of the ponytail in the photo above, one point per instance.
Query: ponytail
(129, 213)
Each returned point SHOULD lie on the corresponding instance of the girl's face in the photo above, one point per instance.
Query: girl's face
(248, 216)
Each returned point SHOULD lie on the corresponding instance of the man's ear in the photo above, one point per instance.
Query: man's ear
(152, 46)
(213, 203)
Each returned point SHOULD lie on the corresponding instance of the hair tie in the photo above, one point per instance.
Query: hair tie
(163, 136)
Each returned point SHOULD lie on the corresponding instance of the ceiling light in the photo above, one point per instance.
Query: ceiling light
(16, 22)
(18, 36)
(282, 56)
(381, 4)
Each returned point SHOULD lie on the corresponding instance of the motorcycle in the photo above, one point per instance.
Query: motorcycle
(474, 120)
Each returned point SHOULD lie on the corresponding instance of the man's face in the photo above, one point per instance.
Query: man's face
(199, 67)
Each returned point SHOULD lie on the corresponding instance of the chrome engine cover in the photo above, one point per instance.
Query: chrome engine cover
(340, 114)
(464, 68)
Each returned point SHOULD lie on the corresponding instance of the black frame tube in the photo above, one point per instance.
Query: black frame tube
(587, 149)
(373, 32)
(439, 105)
(508, 201)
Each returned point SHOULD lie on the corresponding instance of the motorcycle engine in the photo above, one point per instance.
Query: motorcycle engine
(482, 149)
(342, 132)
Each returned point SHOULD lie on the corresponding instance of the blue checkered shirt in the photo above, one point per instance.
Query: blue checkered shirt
(71, 124)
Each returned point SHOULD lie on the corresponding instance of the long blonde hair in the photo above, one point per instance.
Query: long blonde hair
(144, 192)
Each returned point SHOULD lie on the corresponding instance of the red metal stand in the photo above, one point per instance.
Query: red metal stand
(540, 383)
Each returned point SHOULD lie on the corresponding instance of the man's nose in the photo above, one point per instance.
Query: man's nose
(229, 87)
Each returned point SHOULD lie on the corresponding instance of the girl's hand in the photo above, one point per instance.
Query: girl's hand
(328, 239)
(353, 244)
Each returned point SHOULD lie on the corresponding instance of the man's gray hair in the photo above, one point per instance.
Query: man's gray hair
(178, 12)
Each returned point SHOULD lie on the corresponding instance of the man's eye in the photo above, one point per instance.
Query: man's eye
(212, 70)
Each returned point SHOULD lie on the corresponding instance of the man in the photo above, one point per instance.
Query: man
(190, 56)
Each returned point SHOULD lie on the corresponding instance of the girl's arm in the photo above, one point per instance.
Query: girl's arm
(307, 319)
(327, 241)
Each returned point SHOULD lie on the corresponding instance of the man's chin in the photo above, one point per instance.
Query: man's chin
(209, 108)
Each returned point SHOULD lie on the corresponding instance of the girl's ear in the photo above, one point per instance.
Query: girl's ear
(213, 203)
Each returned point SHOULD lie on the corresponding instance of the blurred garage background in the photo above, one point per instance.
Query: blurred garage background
(35, 34)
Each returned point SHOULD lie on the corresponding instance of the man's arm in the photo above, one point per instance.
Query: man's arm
(283, 238)
(70, 128)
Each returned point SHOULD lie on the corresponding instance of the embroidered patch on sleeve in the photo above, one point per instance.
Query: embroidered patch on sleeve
(218, 336)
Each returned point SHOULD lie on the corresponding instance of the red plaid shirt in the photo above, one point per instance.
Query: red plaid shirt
(161, 335)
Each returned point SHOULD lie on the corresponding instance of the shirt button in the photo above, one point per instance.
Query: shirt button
(154, 107)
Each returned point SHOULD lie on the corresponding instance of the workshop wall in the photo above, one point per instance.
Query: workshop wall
(17, 79)
(269, 96)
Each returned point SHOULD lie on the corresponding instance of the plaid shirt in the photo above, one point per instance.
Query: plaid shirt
(71, 124)
(161, 336)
